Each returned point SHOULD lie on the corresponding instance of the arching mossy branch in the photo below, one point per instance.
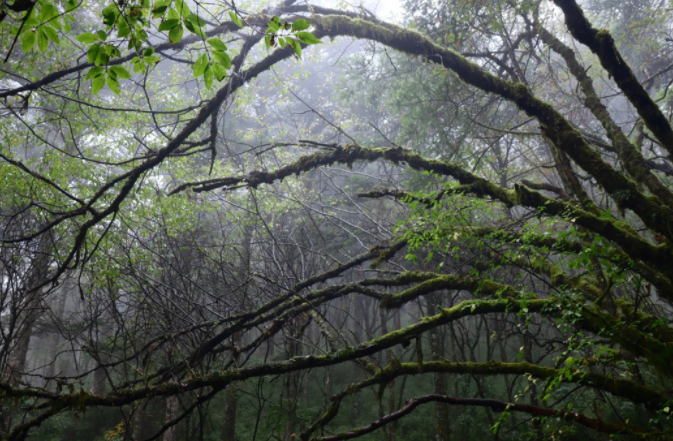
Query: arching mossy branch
(619, 232)
(632, 158)
(497, 406)
(618, 387)
(562, 134)
(603, 45)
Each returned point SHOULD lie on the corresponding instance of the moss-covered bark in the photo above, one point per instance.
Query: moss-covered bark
(618, 387)
(561, 133)
(498, 406)
(631, 157)
(603, 45)
(476, 285)
(619, 232)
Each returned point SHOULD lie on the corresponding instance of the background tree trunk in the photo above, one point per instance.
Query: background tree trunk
(26, 309)
(138, 420)
(442, 416)
(172, 409)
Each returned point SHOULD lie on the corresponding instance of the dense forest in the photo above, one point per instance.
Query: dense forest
(310, 220)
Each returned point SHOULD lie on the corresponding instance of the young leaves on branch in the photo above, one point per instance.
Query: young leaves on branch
(41, 24)
(128, 21)
(291, 34)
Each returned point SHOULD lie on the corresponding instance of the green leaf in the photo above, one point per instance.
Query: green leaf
(173, 14)
(138, 66)
(42, 40)
(159, 8)
(102, 54)
(51, 34)
(55, 24)
(110, 14)
(123, 28)
(112, 51)
(300, 25)
(141, 35)
(147, 52)
(198, 21)
(222, 58)
(308, 38)
(274, 24)
(169, 24)
(217, 44)
(152, 59)
(200, 65)
(47, 12)
(102, 36)
(267, 40)
(281, 42)
(95, 72)
(295, 45)
(28, 42)
(121, 72)
(194, 29)
(92, 53)
(87, 38)
(97, 84)
(182, 8)
(31, 21)
(103, 58)
(159, 11)
(175, 35)
(161, 3)
(113, 83)
(219, 72)
(208, 77)
(235, 19)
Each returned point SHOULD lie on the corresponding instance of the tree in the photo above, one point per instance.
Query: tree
(549, 268)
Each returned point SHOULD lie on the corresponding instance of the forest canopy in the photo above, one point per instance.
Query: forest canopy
(297, 220)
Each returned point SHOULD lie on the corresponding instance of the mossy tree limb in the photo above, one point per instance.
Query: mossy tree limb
(617, 231)
(603, 45)
(497, 406)
(561, 133)
(631, 157)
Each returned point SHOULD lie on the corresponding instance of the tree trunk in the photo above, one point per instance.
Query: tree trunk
(442, 416)
(138, 419)
(391, 433)
(231, 401)
(172, 407)
(26, 310)
(100, 374)
(359, 315)
(292, 393)
(55, 336)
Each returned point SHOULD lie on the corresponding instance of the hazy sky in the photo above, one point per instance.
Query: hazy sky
(389, 10)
